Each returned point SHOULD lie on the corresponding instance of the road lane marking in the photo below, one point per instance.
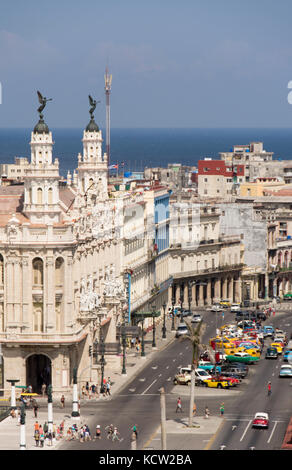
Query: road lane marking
(245, 430)
(149, 387)
(271, 435)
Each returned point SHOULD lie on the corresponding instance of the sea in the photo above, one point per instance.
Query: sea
(139, 148)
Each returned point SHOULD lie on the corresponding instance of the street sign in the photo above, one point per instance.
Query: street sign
(129, 330)
(141, 315)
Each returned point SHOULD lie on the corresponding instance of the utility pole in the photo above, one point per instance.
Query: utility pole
(163, 418)
(107, 88)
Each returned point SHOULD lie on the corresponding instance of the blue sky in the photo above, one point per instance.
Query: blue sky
(193, 63)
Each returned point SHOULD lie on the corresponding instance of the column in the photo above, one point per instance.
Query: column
(201, 295)
(186, 296)
(209, 286)
(26, 289)
(224, 290)
(68, 291)
(193, 303)
(177, 294)
(49, 294)
(217, 289)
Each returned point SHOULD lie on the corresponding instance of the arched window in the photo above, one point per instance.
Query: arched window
(1, 270)
(39, 196)
(50, 196)
(59, 272)
(38, 272)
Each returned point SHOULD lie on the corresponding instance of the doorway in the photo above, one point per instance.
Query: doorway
(38, 371)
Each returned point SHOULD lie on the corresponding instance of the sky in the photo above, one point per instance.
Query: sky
(192, 63)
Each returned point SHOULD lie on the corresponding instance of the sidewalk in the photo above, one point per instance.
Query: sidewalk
(10, 428)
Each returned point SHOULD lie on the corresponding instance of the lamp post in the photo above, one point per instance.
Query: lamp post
(172, 323)
(13, 399)
(50, 408)
(142, 345)
(164, 327)
(154, 329)
(102, 363)
(75, 412)
(124, 372)
(22, 444)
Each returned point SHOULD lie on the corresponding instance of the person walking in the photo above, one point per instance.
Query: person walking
(222, 409)
(135, 431)
(45, 427)
(37, 437)
(108, 388)
(35, 408)
(194, 409)
(62, 401)
(207, 412)
(178, 405)
(36, 426)
(269, 388)
(97, 432)
(42, 438)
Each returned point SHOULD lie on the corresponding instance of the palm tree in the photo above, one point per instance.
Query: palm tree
(194, 336)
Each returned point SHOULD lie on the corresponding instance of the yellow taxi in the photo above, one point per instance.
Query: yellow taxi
(278, 346)
(225, 303)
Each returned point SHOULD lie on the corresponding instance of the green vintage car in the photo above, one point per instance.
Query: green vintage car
(242, 357)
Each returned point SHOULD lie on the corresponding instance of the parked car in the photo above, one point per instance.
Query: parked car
(182, 330)
(271, 353)
(285, 371)
(235, 370)
(261, 420)
(185, 313)
(216, 383)
(196, 318)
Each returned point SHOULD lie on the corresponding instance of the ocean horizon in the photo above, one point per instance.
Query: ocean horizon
(150, 147)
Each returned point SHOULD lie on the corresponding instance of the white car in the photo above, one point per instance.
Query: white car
(216, 308)
(235, 308)
(182, 330)
(196, 318)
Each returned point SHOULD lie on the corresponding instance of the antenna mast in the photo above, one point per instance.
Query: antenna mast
(108, 86)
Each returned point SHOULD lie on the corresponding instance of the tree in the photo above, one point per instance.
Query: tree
(194, 336)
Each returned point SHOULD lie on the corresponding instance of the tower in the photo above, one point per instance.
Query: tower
(41, 183)
(108, 86)
(92, 165)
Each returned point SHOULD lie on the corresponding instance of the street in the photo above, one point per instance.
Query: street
(139, 402)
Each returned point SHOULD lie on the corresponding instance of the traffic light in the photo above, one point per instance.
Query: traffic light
(90, 351)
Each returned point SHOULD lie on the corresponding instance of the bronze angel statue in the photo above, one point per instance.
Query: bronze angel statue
(43, 100)
(93, 104)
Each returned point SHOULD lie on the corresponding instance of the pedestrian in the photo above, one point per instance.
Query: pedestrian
(93, 390)
(45, 427)
(29, 389)
(36, 426)
(83, 391)
(62, 401)
(108, 388)
(37, 437)
(87, 389)
(50, 438)
(132, 343)
(194, 409)
(222, 409)
(97, 432)
(115, 436)
(44, 387)
(135, 431)
(207, 412)
(42, 438)
(178, 405)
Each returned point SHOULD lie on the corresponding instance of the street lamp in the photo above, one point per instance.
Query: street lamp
(124, 372)
(164, 327)
(142, 344)
(154, 329)
(102, 363)
(172, 323)
(13, 399)
(50, 408)
(22, 443)
(75, 412)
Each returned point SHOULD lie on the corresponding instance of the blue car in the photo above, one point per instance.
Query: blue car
(268, 330)
(286, 371)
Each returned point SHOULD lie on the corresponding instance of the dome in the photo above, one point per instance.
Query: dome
(92, 126)
(41, 127)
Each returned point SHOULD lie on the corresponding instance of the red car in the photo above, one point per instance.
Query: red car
(231, 380)
(261, 420)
